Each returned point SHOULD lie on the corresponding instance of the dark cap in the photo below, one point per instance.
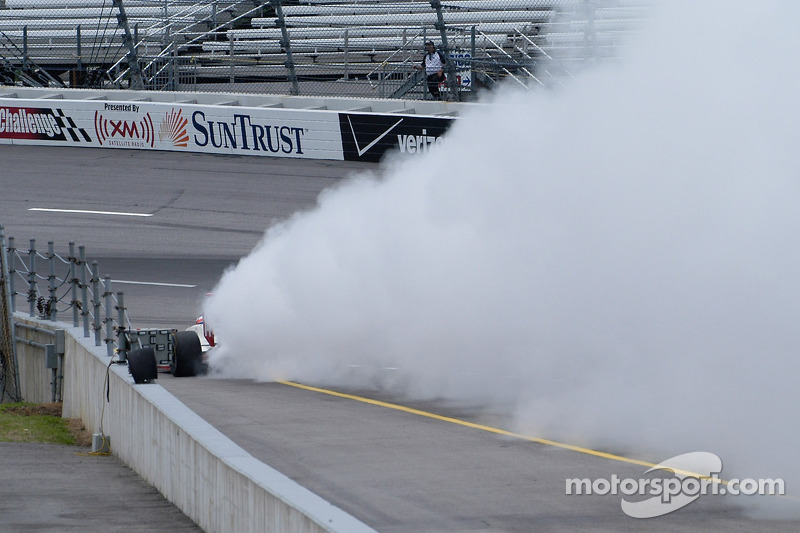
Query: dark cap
(430, 43)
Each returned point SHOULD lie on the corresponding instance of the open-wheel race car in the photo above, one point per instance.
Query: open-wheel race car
(181, 353)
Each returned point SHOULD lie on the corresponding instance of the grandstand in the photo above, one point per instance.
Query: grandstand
(313, 47)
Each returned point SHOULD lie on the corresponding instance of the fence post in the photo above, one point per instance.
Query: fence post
(589, 33)
(287, 46)
(78, 47)
(84, 295)
(8, 349)
(346, 54)
(424, 76)
(473, 34)
(32, 277)
(12, 271)
(52, 299)
(230, 58)
(96, 302)
(73, 281)
(136, 82)
(122, 341)
(449, 66)
(25, 47)
(109, 320)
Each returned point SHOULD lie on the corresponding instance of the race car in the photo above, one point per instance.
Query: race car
(182, 353)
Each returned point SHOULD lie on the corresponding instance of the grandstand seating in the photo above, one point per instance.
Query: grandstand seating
(332, 39)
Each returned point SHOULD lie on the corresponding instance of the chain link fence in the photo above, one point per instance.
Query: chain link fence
(359, 48)
(55, 287)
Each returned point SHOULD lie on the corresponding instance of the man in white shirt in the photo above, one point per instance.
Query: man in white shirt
(433, 65)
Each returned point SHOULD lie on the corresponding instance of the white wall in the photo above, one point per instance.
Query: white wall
(211, 479)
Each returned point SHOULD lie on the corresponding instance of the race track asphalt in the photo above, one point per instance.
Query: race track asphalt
(397, 470)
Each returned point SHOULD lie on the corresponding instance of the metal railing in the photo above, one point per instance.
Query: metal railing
(52, 286)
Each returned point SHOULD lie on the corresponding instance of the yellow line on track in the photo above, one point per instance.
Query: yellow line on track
(489, 429)
(472, 425)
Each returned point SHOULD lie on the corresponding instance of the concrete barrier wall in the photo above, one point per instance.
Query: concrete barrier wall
(35, 379)
(330, 128)
(211, 479)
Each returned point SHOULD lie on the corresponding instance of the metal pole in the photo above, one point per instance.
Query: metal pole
(122, 341)
(32, 277)
(7, 333)
(96, 302)
(472, 42)
(449, 66)
(109, 318)
(25, 47)
(230, 58)
(137, 82)
(49, 354)
(12, 271)
(174, 72)
(84, 287)
(590, 33)
(52, 299)
(287, 46)
(73, 281)
(346, 54)
(424, 74)
(78, 46)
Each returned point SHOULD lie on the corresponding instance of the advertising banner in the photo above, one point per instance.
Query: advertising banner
(367, 137)
(174, 127)
(40, 124)
(297, 133)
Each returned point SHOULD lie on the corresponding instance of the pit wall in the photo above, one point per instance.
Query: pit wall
(290, 127)
(35, 379)
(212, 480)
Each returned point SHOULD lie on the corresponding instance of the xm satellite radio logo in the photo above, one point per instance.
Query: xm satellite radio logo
(122, 133)
(688, 476)
(173, 128)
(39, 124)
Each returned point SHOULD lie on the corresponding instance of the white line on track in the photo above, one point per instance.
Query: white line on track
(154, 283)
(86, 212)
(385, 368)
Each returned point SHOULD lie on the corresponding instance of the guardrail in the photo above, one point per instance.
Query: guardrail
(53, 284)
(72, 285)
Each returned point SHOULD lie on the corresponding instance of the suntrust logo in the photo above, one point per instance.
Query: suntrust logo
(242, 133)
(695, 474)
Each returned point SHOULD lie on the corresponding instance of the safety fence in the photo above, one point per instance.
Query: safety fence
(53, 286)
(363, 48)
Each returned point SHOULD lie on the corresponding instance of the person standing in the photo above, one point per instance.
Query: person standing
(433, 65)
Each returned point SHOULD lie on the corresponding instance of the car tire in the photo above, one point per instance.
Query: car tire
(187, 356)
(142, 365)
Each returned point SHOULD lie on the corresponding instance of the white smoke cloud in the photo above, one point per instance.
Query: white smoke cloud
(616, 263)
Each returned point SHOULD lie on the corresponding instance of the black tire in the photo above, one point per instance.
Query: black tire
(187, 357)
(142, 365)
